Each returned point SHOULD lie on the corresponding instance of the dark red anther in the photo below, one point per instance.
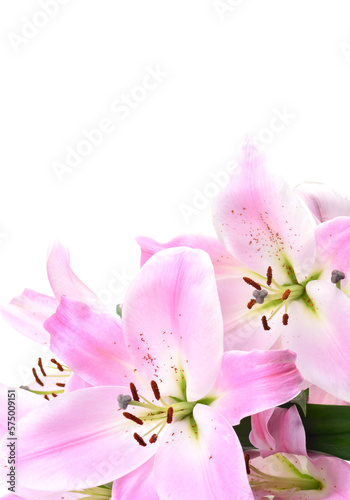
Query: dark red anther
(134, 394)
(133, 418)
(286, 294)
(37, 378)
(60, 384)
(46, 397)
(40, 364)
(269, 276)
(139, 439)
(285, 319)
(251, 303)
(153, 438)
(59, 366)
(54, 395)
(155, 390)
(169, 415)
(252, 283)
(264, 323)
(246, 459)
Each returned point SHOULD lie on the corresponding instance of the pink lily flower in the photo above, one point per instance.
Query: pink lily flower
(278, 274)
(175, 398)
(285, 469)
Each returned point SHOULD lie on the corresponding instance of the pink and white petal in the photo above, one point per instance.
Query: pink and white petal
(333, 473)
(201, 460)
(318, 396)
(324, 202)
(262, 222)
(222, 261)
(90, 343)
(75, 383)
(333, 246)
(173, 324)
(250, 382)
(138, 484)
(64, 282)
(27, 313)
(278, 431)
(77, 441)
(320, 338)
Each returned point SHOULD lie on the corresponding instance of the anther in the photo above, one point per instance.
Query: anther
(59, 384)
(54, 395)
(260, 295)
(123, 401)
(133, 418)
(252, 283)
(40, 364)
(59, 366)
(285, 319)
(46, 397)
(286, 294)
(155, 390)
(264, 323)
(169, 415)
(139, 439)
(134, 394)
(246, 459)
(251, 303)
(337, 276)
(153, 438)
(37, 378)
(269, 276)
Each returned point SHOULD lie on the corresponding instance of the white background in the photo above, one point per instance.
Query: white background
(226, 77)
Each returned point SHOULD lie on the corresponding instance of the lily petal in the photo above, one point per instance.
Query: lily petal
(75, 383)
(325, 203)
(77, 441)
(62, 279)
(90, 343)
(173, 324)
(262, 222)
(27, 313)
(323, 331)
(203, 462)
(250, 382)
(278, 430)
(138, 484)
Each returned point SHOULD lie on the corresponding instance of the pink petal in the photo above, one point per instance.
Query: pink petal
(62, 279)
(334, 474)
(250, 382)
(205, 464)
(324, 202)
(262, 222)
(278, 430)
(137, 485)
(78, 440)
(27, 313)
(222, 261)
(318, 396)
(172, 321)
(90, 343)
(75, 383)
(321, 338)
(333, 246)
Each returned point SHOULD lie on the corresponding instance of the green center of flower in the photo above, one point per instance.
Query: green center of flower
(160, 414)
(271, 297)
(295, 480)
(103, 492)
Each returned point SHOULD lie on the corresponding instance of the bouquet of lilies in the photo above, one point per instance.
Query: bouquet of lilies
(224, 374)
